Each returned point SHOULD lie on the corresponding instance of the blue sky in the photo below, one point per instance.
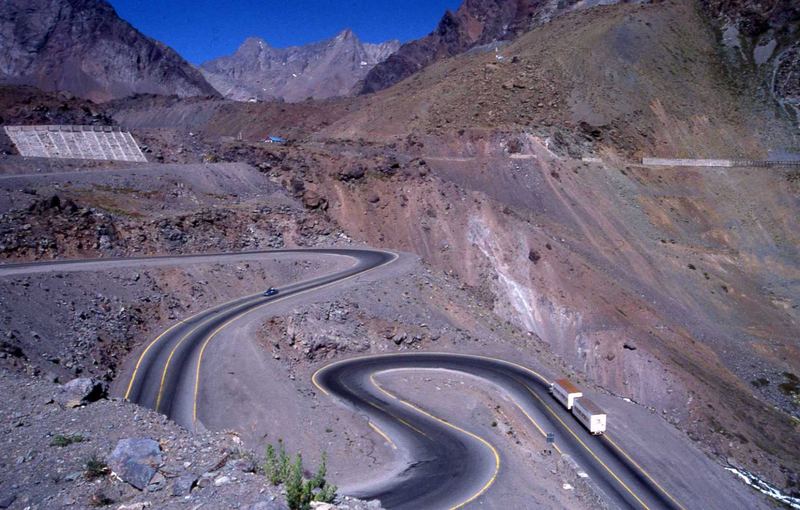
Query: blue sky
(203, 29)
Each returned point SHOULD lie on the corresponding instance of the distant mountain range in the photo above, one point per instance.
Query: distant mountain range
(319, 70)
(83, 47)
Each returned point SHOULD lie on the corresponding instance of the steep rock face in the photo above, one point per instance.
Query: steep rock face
(764, 35)
(83, 47)
(475, 23)
(320, 70)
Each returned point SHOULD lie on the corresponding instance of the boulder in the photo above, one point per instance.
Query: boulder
(7, 500)
(353, 173)
(135, 461)
(313, 200)
(81, 391)
(184, 484)
(157, 483)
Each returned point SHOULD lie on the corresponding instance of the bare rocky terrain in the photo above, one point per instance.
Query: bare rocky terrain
(64, 457)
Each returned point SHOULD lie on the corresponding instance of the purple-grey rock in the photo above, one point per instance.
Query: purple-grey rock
(319, 70)
(135, 461)
(269, 505)
(7, 501)
(81, 391)
(184, 484)
(84, 47)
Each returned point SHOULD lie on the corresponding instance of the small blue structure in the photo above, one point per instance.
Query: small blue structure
(275, 139)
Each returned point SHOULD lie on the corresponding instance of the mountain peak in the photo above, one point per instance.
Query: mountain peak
(346, 34)
(36, 32)
(319, 70)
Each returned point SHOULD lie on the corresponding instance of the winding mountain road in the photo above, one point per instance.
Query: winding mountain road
(454, 466)
(166, 376)
(448, 466)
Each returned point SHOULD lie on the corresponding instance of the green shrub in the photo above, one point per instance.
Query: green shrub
(62, 441)
(295, 488)
(300, 492)
(95, 467)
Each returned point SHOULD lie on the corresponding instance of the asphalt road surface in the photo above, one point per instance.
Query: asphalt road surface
(166, 377)
(453, 466)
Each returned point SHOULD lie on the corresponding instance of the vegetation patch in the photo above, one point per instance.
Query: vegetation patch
(300, 492)
(95, 468)
(62, 441)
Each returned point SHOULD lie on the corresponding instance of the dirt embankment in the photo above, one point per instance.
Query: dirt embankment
(152, 209)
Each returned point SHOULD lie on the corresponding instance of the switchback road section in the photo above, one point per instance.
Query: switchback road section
(451, 466)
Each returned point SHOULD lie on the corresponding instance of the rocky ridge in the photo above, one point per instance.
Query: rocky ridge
(319, 70)
(475, 23)
(83, 47)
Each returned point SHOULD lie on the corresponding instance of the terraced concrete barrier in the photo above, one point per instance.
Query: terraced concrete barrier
(75, 142)
(726, 163)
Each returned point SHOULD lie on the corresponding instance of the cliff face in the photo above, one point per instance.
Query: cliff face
(83, 47)
(320, 70)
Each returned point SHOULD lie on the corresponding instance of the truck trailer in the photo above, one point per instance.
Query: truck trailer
(565, 392)
(590, 414)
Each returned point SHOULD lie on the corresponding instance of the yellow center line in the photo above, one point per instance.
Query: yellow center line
(569, 429)
(172, 353)
(315, 381)
(535, 424)
(384, 410)
(383, 434)
(433, 353)
(645, 473)
(214, 333)
(144, 353)
(459, 429)
(187, 319)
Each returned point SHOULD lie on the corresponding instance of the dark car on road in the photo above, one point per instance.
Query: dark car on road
(271, 291)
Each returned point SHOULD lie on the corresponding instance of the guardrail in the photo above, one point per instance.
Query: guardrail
(724, 163)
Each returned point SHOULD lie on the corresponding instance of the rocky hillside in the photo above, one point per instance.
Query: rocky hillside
(632, 79)
(764, 37)
(83, 47)
(319, 70)
(475, 23)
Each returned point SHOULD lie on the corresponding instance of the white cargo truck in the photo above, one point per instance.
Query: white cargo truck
(565, 392)
(590, 414)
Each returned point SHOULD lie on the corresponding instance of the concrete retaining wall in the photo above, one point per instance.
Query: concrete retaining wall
(75, 142)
